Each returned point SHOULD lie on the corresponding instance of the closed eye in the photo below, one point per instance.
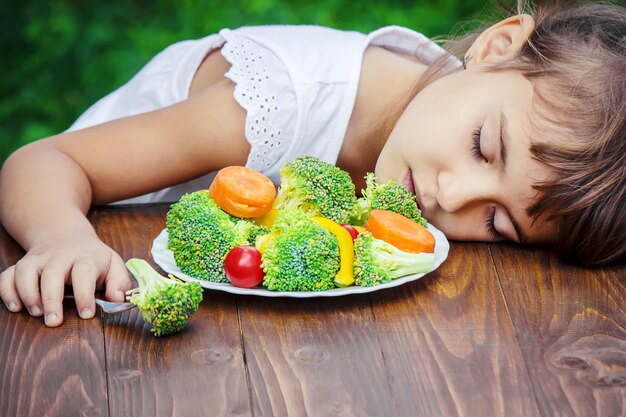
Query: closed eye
(476, 151)
(490, 224)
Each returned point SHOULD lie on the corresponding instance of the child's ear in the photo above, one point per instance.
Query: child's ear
(501, 41)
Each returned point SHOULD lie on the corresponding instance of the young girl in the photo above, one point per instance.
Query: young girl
(522, 141)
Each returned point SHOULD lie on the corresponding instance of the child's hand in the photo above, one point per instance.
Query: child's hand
(37, 281)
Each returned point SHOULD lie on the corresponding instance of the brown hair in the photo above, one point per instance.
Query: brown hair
(576, 60)
(577, 56)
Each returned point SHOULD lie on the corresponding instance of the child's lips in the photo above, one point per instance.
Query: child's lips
(407, 181)
(410, 184)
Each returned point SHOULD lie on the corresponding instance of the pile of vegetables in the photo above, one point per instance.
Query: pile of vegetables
(314, 234)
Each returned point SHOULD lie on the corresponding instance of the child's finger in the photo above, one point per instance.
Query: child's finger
(27, 286)
(117, 280)
(84, 276)
(8, 292)
(52, 287)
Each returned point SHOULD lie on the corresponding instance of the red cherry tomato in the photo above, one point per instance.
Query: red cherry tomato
(243, 267)
(353, 232)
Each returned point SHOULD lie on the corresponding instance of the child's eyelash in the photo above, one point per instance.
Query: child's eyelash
(478, 154)
(490, 224)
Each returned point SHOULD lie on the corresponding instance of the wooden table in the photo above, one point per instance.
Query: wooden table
(498, 330)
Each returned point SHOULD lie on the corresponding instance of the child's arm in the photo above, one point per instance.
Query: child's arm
(47, 187)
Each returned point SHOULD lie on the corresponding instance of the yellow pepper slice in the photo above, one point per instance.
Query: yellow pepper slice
(360, 229)
(267, 219)
(345, 276)
(264, 240)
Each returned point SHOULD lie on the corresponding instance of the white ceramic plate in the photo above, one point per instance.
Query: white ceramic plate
(165, 259)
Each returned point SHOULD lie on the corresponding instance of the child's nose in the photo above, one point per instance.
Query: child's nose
(457, 190)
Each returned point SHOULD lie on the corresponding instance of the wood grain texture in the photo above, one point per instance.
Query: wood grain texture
(571, 323)
(197, 372)
(314, 357)
(498, 330)
(449, 345)
(60, 371)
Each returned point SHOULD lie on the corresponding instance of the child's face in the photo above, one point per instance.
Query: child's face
(471, 190)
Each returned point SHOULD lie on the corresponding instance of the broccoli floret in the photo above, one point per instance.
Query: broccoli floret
(200, 235)
(317, 187)
(377, 262)
(256, 231)
(288, 218)
(388, 196)
(166, 303)
(303, 256)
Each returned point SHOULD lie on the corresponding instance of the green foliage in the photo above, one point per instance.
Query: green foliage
(303, 257)
(58, 57)
(166, 303)
(377, 262)
(316, 187)
(388, 196)
(200, 235)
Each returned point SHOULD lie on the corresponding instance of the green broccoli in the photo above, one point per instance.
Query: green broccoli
(166, 303)
(317, 187)
(303, 256)
(256, 231)
(388, 196)
(377, 262)
(200, 235)
(288, 218)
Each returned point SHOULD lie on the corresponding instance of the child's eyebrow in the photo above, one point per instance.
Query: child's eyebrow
(504, 147)
(504, 140)
(521, 236)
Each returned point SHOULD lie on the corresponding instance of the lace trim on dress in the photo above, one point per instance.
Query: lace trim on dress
(264, 90)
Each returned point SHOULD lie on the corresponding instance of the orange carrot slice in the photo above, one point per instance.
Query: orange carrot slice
(242, 192)
(400, 231)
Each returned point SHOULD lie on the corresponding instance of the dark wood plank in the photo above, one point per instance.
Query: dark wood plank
(197, 372)
(53, 372)
(572, 326)
(314, 357)
(524, 335)
(449, 345)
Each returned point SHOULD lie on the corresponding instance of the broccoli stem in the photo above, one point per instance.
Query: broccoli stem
(146, 275)
(412, 263)
(400, 263)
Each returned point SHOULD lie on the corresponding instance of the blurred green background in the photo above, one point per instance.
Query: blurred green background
(58, 57)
